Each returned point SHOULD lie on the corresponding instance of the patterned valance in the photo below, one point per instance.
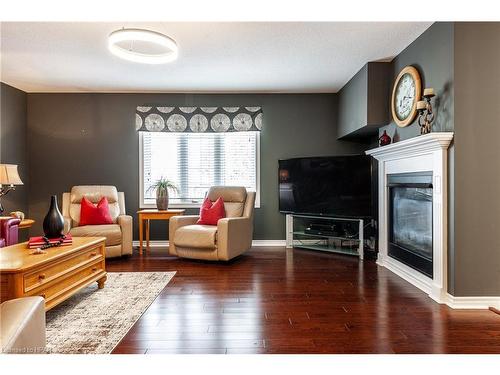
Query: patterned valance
(198, 119)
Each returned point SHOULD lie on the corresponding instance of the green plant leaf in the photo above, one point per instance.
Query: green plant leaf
(164, 184)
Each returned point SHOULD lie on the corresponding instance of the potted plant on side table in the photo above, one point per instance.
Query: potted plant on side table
(162, 186)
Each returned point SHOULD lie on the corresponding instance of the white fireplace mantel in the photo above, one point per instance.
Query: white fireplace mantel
(420, 154)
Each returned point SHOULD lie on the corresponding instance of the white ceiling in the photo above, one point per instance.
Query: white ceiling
(213, 57)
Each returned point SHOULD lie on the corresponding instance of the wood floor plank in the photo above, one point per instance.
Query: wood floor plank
(274, 300)
(192, 344)
(186, 351)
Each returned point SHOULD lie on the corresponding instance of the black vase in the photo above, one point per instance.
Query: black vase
(53, 224)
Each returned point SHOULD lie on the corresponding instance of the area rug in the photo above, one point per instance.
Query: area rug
(93, 321)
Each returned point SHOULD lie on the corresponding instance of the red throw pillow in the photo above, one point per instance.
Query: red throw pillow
(211, 213)
(95, 215)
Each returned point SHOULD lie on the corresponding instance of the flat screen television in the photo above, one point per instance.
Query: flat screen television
(339, 186)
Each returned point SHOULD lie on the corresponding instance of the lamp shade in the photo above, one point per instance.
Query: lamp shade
(9, 175)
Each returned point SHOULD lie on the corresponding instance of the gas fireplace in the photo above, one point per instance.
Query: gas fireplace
(410, 220)
(413, 211)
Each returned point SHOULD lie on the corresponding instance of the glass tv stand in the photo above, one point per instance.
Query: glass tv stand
(331, 234)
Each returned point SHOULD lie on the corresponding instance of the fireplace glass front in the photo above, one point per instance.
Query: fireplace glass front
(410, 220)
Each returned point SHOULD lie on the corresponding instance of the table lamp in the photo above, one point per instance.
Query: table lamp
(9, 177)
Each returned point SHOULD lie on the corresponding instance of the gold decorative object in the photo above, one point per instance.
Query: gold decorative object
(425, 114)
(18, 215)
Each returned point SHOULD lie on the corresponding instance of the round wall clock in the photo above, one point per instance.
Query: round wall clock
(405, 95)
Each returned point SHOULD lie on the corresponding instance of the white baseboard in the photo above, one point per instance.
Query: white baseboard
(420, 281)
(152, 244)
(425, 284)
(269, 243)
(472, 302)
(255, 243)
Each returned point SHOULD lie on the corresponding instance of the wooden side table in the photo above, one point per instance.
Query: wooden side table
(153, 214)
(26, 223)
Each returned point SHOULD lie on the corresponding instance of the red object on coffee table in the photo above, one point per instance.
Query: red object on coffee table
(35, 242)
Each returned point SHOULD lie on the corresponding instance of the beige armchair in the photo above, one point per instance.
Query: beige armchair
(231, 237)
(118, 235)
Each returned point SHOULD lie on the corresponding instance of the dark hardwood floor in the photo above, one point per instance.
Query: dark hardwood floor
(273, 300)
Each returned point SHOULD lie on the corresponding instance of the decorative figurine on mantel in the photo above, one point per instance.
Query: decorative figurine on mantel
(384, 139)
(425, 114)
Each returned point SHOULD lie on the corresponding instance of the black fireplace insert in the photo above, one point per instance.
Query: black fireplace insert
(410, 220)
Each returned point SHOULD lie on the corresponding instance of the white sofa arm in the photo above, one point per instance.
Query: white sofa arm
(23, 325)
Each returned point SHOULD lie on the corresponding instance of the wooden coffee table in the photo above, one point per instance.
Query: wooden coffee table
(56, 275)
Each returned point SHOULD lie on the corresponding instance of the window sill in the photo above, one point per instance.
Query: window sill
(179, 206)
(174, 205)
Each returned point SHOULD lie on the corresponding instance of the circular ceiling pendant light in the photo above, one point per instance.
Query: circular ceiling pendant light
(142, 46)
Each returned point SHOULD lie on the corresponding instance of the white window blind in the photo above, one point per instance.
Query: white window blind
(196, 161)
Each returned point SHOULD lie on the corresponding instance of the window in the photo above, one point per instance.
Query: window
(196, 161)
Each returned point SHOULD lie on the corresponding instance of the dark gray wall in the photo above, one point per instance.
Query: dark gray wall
(379, 89)
(363, 103)
(432, 54)
(353, 99)
(13, 144)
(477, 156)
(90, 139)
